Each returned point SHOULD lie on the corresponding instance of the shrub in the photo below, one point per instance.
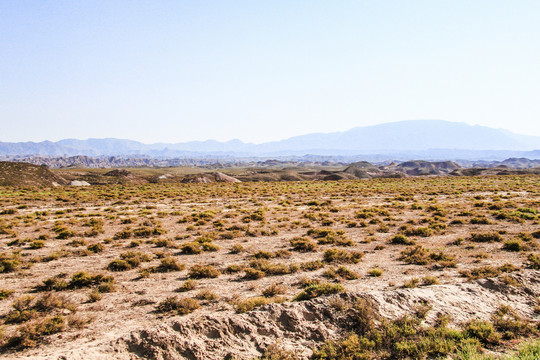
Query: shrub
(210, 247)
(274, 289)
(65, 234)
(507, 321)
(486, 237)
(246, 305)
(169, 264)
(187, 286)
(37, 244)
(480, 221)
(9, 263)
(303, 244)
(271, 268)
(178, 306)
(417, 255)
(312, 265)
(420, 231)
(342, 256)
(96, 248)
(275, 352)
(320, 289)
(401, 240)
(207, 295)
(375, 272)
(341, 273)
(412, 283)
(534, 261)
(481, 330)
(144, 232)
(82, 279)
(128, 261)
(481, 272)
(162, 243)
(119, 265)
(429, 280)
(254, 274)
(261, 254)
(236, 249)
(4, 293)
(203, 271)
(513, 245)
(55, 283)
(191, 248)
(122, 235)
(234, 268)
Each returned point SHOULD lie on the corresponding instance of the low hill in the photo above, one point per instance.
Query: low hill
(23, 174)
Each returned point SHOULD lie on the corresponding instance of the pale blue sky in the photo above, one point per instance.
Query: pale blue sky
(175, 71)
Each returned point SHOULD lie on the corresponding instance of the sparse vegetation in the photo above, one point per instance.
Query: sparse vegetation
(249, 244)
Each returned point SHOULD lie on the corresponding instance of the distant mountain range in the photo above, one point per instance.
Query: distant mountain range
(427, 139)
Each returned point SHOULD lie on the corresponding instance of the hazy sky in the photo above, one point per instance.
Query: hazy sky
(176, 71)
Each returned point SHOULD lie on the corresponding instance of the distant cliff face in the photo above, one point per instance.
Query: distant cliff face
(398, 138)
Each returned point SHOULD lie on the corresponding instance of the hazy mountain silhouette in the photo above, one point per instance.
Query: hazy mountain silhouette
(414, 136)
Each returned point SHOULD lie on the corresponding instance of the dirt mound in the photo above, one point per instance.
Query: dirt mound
(119, 173)
(24, 174)
(362, 172)
(273, 175)
(122, 176)
(494, 171)
(220, 177)
(210, 178)
(302, 326)
(422, 168)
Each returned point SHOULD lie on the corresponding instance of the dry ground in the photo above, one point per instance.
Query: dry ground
(231, 247)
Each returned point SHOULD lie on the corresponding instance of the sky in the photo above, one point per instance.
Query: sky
(175, 71)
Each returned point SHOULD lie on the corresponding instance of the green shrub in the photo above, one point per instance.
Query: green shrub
(236, 249)
(320, 289)
(169, 264)
(274, 289)
(246, 305)
(401, 240)
(82, 279)
(178, 306)
(37, 244)
(9, 263)
(481, 330)
(119, 265)
(96, 248)
(341, 273)
(412, 283)
(481, 272)
(5, 293)
(513, 245)
(486, 237)
(272, 268)
(188, 285)
(534, 261)
(312, 265)
(507, 321)
(420, 231)
(342, 256)
(375, 272)
(254, 274)
(191, 248)
(303, 244)
(203, 271)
